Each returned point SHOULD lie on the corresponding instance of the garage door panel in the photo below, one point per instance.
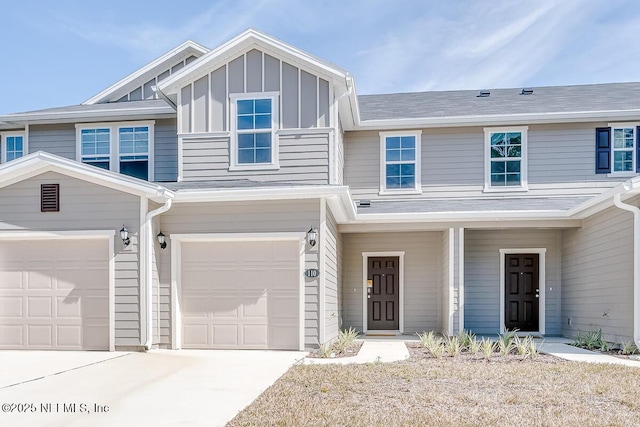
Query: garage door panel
(246, 285)
(195, 307)
(54, 294)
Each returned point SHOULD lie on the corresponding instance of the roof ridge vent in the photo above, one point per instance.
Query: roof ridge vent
(484, 93)
(527, 91)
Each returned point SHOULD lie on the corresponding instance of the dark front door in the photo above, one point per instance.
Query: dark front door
(383, 283)
(522, 293)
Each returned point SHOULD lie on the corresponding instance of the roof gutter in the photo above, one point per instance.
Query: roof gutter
(162, 95)
(148, 255)
(636, 261)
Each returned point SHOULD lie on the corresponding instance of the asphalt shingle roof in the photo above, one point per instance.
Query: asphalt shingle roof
(461, 103)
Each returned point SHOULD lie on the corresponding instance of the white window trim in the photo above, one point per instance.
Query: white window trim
(275, 126)
(5, 135)
(365, 266)
(417, 134)
(542, 276)
(114, 131)
(524, 185)
(622, 125)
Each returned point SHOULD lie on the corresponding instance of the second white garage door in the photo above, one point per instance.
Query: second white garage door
(241, 295)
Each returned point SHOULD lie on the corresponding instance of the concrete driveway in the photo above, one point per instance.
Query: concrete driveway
(161, 387)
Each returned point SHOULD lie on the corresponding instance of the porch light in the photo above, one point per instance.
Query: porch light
(124, 234)
(312, 236)
(161, 240)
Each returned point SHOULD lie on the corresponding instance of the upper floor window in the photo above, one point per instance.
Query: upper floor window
(617, 149)
(253, 139)
(400, 162)
(13, 146)
(505, 159)
(119, 147)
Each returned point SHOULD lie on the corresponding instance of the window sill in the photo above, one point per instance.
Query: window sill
(386, 192)
(621, 175)
(258, 167)
(505, 189)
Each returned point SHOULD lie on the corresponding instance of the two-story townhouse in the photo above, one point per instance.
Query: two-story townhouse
(248, 197)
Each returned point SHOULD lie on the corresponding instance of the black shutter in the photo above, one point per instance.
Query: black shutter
(603, 150)
(638, 149)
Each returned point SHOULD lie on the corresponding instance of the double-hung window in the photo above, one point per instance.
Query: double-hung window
(617, 150)
(400, 162)
(13, 146)
(254, 125)
(623, 148)
(506, 159)
(119, 147)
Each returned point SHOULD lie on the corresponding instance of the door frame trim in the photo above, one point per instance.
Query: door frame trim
(108, 235)
(542, 269)
(176, 272)
(365, 261)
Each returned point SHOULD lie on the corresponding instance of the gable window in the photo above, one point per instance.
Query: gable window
(13, 146)
(505, 159)
(120, 147)
(617, 149)
(253, 140)
(400, 162)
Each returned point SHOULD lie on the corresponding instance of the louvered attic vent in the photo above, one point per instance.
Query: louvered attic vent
(50, 198)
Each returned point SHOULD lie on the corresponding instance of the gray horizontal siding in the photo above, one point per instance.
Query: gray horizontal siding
(597, 276)
(248, 217)
(304, 159)
(85, 206)
(482, 275)
(166, 151)
(55, 139)
(422, 276)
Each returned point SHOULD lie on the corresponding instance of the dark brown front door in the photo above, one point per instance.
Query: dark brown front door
(522, 292)
(383, 283)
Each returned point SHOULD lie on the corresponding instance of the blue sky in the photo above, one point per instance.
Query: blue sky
(63, 52)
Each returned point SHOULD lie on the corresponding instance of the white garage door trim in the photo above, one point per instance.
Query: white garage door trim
(107, 235)
(176, 258)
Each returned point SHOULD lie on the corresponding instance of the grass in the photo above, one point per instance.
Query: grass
(448, 391)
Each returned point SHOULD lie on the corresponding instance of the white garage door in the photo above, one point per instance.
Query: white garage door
(241, 295)
(54, 294)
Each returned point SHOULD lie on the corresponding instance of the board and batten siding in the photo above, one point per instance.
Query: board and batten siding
(597, 275)
(422, 276)
(85, 206)
(304, 100)
(60, 139)
(304, 159)
(482, 275)
(561, 159)
(247, 217)
(333, 278)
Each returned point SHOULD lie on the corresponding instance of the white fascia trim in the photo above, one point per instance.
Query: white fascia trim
(605, 199)
(542, 270)
(365, 262)
(89, 114)
(498, 119)
(462, 216)
(188, 46)
(249, 38)
(40, 162)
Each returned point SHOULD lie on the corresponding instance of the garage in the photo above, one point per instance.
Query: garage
(54, 294)
(241, 294)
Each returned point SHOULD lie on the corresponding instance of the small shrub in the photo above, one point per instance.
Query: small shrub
(427, 338)
(487, 347)
(453, 346)
(506, 342)
(325, 350)
(605, 346)
(346, 340)
(474, 346)
(465, 338)
(525, 346)
(628, 348)
(437, 350)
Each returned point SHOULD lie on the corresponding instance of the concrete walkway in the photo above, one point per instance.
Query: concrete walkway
(372, 351)
(576, 354)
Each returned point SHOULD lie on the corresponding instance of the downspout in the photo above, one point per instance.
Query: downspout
(636, 262)
(148, 265)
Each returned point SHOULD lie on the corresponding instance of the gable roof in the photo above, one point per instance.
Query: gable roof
(148, 72)
(106, 111)
(41, 162)
(465, 107)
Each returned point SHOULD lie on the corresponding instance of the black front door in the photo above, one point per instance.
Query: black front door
(522, 292)
(383, 283)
